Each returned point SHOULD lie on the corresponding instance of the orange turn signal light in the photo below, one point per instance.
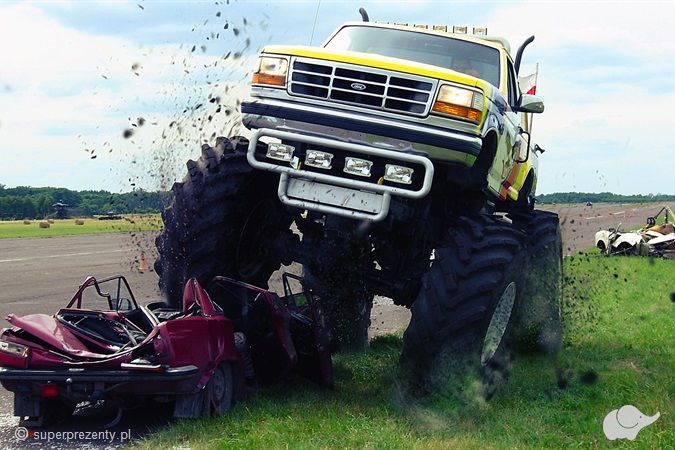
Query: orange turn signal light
(274, 80)
(459, 111)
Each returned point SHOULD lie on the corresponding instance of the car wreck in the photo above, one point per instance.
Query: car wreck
(104, 346)
(651, 240)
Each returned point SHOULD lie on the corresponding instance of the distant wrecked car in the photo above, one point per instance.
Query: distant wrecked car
(104, 346)
(651, 240)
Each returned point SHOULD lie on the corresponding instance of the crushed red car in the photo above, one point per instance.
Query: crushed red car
(104, 346)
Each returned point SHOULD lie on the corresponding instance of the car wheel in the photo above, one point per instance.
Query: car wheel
(219, 391)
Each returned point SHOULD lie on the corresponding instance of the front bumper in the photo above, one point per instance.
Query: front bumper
(331, 194)
(437, 143)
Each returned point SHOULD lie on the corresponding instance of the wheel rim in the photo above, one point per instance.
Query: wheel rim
(218, 391)
(498, 323)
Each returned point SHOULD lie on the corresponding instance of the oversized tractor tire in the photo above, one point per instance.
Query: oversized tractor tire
(462, 318)
(336, 274)
(539, 324)
(224, 219)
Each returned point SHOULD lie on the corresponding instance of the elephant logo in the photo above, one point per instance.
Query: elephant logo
(626, 422)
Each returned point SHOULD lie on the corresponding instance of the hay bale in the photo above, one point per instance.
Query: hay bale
(44, 224)
(26, 222)
(79, 222)
(50, 220)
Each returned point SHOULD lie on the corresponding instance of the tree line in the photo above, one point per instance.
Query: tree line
(24, 202)
(602, 197)
(36, 203)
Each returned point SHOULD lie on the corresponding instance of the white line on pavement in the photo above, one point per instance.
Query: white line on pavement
(62, 256)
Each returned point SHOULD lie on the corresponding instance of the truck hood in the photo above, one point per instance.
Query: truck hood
(380, 62)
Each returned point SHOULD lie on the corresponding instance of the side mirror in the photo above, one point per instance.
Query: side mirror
(537, 148)
(527, 146)
(530, 104)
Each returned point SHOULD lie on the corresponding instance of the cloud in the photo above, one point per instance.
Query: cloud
(602, 78)
(67, 83)
(69, 90)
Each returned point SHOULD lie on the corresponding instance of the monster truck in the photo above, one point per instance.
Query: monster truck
(393, 161)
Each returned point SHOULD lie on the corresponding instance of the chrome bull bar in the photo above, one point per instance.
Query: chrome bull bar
(332, 194)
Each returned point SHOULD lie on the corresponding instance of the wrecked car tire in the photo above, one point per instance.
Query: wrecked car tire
(539, 326)
(52, 412)
(219, 391)
(222, 220)
(215, 399)
(461, 320)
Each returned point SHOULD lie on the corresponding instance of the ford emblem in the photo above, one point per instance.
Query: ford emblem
(358, 86)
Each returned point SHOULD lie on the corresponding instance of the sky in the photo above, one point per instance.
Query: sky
(117, 95)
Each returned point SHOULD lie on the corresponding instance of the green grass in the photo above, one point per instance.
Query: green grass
(65, 227)
(619, 326)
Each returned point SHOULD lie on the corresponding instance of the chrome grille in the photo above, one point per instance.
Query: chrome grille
(366, 87)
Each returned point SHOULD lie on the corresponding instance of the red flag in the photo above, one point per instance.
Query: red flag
(528, 84)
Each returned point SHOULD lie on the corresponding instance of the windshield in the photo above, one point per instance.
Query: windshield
(462, 56)
(108, 295)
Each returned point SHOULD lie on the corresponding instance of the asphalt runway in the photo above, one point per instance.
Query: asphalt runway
(40, 275)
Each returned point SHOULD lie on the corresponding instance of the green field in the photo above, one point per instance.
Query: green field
(65, 227)
(618, 350)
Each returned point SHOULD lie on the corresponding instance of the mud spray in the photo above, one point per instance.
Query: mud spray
(209, 78)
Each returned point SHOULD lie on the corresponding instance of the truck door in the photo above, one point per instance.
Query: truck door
(512, 121)
(511, 144)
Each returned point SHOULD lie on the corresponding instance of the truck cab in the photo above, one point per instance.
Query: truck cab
(381, 111)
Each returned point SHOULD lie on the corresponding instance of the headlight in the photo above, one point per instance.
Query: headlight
(398, 174)
(271, 71)
(280, 152)
(357, 166)
(459, 102)
(321, 160)
(15, 349)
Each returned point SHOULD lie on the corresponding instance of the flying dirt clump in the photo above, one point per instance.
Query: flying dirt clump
(200, 103)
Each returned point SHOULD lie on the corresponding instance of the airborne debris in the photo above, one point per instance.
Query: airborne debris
(589, 377)
(128, 133)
